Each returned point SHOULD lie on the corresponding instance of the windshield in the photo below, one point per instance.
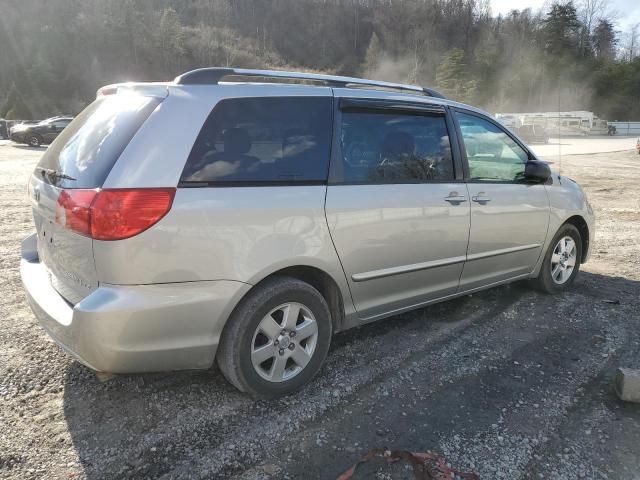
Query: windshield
(84, 153)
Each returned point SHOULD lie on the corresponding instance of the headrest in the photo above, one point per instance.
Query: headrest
(398, 143)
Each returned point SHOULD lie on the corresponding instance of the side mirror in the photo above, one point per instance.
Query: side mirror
(537, 171)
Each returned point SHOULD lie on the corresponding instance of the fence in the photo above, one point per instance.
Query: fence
(627, 128)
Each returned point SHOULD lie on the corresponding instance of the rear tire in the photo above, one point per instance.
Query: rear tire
(276, 339)
(561, 262)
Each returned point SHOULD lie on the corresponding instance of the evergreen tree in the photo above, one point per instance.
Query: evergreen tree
(604, 40)
(452, 77)
(171, 40)
(11, 99)
(561, 29)
(515, 62)
(374, 54)
(15, 108)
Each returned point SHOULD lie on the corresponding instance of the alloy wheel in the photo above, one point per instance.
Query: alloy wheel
(563, 260)
(284, 342)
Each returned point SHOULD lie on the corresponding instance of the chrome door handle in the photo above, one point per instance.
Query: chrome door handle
(481, 198)
(455, 198)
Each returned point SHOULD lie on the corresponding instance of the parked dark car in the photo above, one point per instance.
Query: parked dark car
(7, 126)
(4, 128)
(533, 133)
(18, 124)
(42, 133)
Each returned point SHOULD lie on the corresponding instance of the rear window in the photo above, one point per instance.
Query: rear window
(263, 140)
(89, 146)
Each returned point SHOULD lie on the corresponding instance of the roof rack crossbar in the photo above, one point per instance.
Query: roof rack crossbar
(213, 75)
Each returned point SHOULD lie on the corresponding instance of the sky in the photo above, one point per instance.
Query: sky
(627, 11)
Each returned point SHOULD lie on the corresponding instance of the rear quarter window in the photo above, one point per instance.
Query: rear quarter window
(263, 140)
(89, 146)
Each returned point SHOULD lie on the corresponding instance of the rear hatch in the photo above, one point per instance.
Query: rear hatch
(74, 167)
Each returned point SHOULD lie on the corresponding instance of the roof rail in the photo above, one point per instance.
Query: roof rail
(213, 75)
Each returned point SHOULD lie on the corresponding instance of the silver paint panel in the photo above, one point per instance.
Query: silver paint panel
(459, 293)
(237, 233)
(67, 255)
(385, 228)
(124, 329)
(388, 272)
(566, 199)
(503, 251)
(507, 232)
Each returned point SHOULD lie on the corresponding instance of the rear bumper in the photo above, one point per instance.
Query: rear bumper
(133, 328)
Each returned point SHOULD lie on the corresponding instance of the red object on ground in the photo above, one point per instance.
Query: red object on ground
(426, 465)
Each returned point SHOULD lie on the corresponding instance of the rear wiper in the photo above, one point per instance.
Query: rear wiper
(55, 174)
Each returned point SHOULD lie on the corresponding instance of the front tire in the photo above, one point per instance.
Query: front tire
(276, 339)
(561, 262)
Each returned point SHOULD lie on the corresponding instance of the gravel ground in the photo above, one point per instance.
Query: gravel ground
(510, 383)
(582, 145)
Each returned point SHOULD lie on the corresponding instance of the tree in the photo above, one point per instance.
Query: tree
(374, 54)
(452, 77)
(8, 104)
(604, 40)
(630, 47)
(592, 12)
(561, 29)
(171, 39)
(523, 60)
(15, 108)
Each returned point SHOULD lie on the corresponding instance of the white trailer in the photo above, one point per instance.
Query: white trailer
(578, 122)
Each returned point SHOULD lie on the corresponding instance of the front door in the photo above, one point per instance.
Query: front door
(398, 218)
(509, 216)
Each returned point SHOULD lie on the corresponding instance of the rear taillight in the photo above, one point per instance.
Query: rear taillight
(113, 214)
(123, 213)
(74, 210)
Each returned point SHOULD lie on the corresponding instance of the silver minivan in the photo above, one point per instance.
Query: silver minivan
(197, 221)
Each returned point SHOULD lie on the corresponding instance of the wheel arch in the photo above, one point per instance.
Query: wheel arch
(576, 220)
(318, 279)
(324, 283)
(581, 224)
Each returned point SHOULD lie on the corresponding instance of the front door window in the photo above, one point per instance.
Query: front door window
(492, 154)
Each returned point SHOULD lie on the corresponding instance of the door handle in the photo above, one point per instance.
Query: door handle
(481, 198)
(454, 198)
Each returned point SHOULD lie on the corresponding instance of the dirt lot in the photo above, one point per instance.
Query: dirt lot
(509, 383)
(582, 145)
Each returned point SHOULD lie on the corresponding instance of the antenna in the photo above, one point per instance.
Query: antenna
(559, 137)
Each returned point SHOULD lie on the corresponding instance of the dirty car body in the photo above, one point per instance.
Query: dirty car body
(212, 210)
